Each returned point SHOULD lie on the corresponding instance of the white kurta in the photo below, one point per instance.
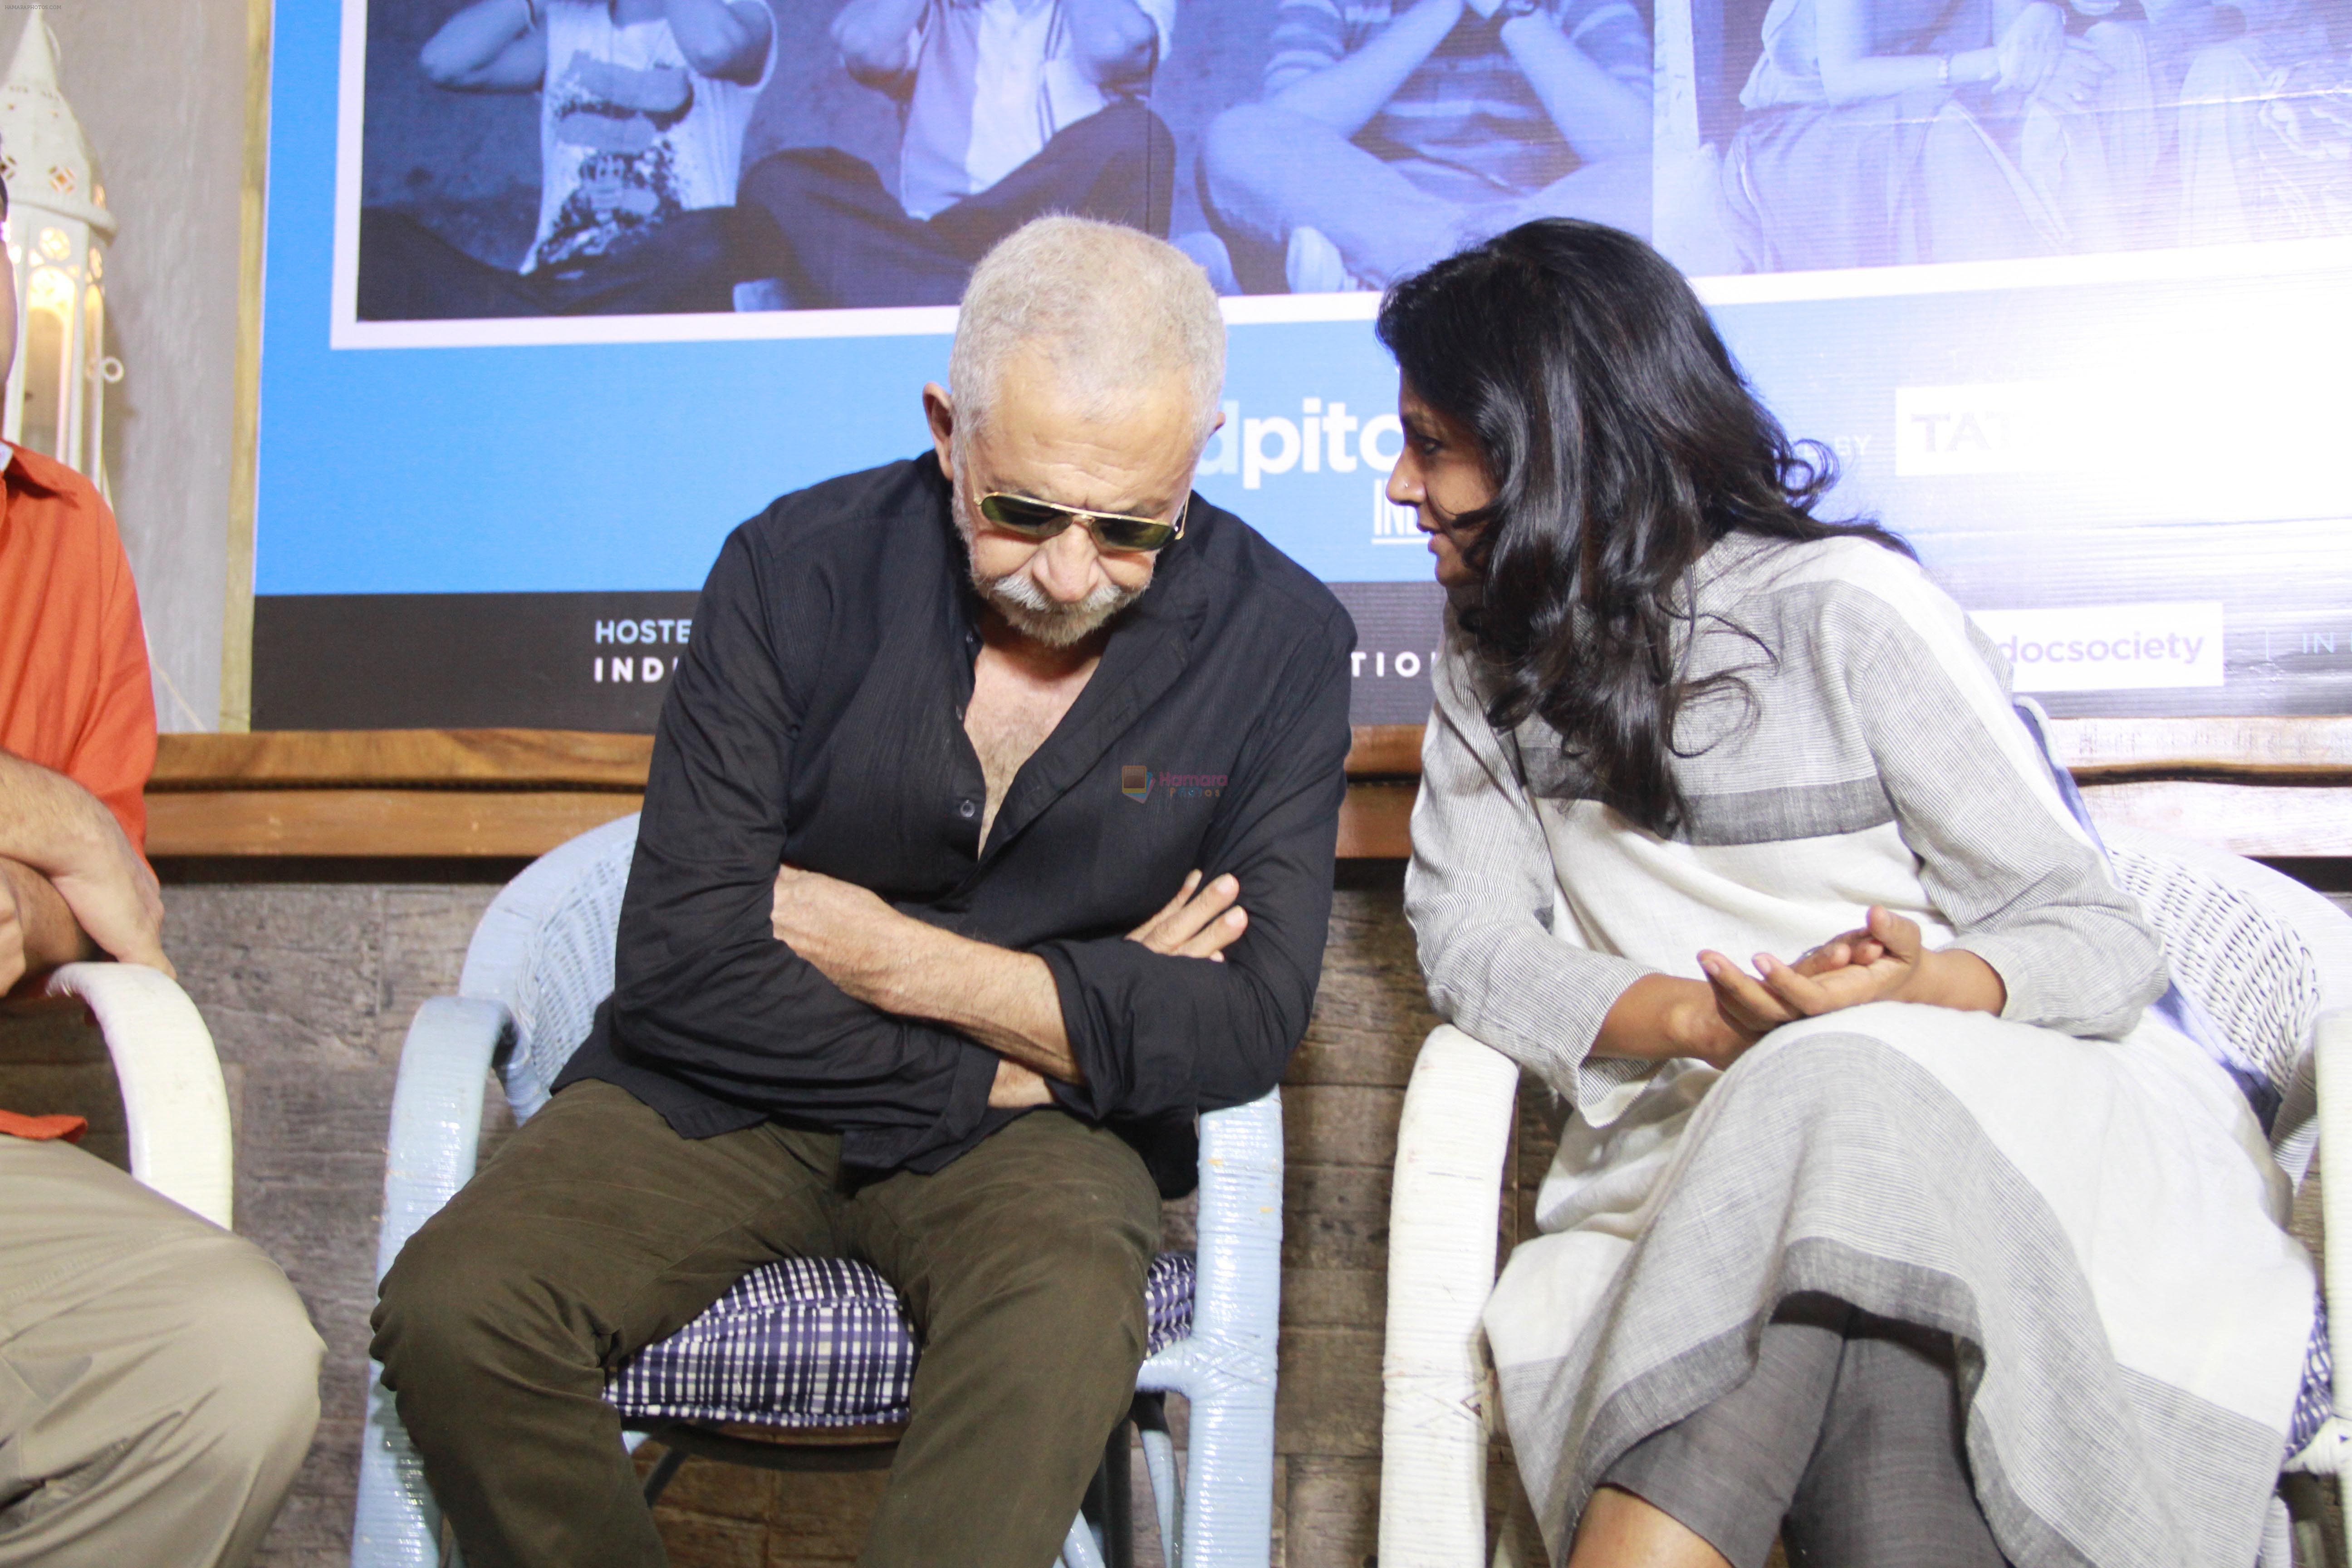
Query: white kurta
(2078, 1193)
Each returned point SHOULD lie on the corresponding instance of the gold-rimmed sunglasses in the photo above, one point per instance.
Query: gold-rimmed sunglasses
(1041, 520)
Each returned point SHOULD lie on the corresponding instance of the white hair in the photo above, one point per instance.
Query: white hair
(1108, 307)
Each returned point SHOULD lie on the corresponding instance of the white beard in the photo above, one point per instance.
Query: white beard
(1035, 613)
(1037, 616)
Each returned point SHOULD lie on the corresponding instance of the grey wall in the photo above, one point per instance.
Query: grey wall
(160, 89)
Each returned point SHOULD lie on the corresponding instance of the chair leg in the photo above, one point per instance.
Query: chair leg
(1150, 1418)
(1119, 1509)
(2315, 1545)
(1079, 1551)
(1108, 1513)
(663, 1472)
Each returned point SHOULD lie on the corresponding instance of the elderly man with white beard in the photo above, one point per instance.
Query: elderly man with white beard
(924, 958)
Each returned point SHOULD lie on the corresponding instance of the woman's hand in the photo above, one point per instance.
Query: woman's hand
(2030, 47)
(1886, 960)
(2075, 80)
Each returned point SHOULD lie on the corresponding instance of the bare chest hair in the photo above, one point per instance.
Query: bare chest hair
(1012, 711)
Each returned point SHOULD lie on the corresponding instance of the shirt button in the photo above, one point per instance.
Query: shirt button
(967, 810)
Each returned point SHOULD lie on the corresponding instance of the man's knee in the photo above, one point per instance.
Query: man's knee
(452, 1300)
(1077, 1279)
(788, 183)
(249, 1356)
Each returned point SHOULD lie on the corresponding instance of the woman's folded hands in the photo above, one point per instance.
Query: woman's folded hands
(1884, 960)
(1716, 1020)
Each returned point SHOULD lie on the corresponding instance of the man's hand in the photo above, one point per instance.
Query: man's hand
(12, 931)
(115, 899)
(1018, 1087)
(896, 963)
(64, 835)
(846, 931)
(1196, 924)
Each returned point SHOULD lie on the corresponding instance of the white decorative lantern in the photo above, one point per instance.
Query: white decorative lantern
(58, 229)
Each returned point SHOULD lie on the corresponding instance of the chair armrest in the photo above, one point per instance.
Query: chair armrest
(436, 1113)
(2332, 1055)
(437, 1131)
(1237, 1292)
(1229, 1362)
(1451, 1145)
(173, 1100)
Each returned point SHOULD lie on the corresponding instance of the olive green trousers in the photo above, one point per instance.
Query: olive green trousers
(597, 1230)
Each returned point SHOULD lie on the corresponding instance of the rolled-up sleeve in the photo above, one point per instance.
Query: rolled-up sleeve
(705, 992)
(1154, 1033)
(1480, 895)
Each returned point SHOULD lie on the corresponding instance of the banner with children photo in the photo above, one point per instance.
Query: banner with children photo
(560, 291)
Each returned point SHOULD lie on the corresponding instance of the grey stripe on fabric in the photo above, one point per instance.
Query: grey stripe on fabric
(1835, 1163)
(1793, 811)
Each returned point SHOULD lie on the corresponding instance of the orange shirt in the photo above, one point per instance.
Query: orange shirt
(74, 693)
(74, 688)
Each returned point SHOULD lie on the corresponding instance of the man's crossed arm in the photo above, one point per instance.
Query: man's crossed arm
(70, 882)
(1006, 1001)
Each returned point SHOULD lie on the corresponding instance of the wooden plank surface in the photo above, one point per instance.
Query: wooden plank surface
(2276, 787)
(2284, 751)
(447, 759)
(2246, 819)
(376, 822)
(518, 759)
(2298, 750)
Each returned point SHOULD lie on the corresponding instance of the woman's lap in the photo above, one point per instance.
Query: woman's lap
(2080, 1212)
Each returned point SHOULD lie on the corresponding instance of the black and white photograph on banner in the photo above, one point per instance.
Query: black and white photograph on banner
(1817, 134)
(583, 158)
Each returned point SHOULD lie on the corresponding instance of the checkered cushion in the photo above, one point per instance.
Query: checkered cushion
(820, 1341)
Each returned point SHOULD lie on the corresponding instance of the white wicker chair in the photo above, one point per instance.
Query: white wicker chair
(174, 1105)
(541, 960)
(2270, 960)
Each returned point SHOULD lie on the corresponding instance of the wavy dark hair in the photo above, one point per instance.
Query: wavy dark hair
(1623, 443)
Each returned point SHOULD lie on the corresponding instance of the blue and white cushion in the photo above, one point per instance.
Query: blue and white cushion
(820, 1341)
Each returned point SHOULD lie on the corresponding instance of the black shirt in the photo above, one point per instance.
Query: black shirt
(816, 718)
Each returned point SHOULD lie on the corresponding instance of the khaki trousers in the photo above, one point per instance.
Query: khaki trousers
(158, 1377)
(597, 1231)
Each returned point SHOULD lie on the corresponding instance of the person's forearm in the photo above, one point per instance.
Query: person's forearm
(46, 821)
(471, 45)
(1890, 76)
(1595, 113)
(872, 34)
(1347, 95)
(46, 930)
(1851, 72)
(719, 37)
(1115, 41)
(1660, 1018)
(1007, 1001)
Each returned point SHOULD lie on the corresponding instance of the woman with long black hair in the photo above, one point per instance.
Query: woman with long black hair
(1889, 1213)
